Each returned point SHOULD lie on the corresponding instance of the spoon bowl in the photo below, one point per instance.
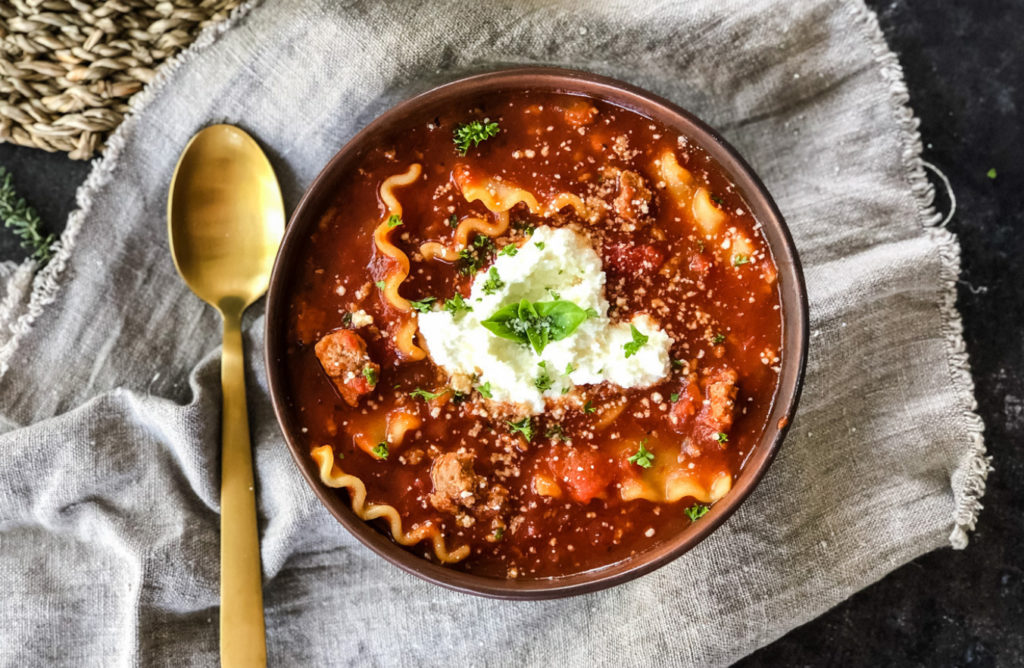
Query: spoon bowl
(225, 220)
(225, 216)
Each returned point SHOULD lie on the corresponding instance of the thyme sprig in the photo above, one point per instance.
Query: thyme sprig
(23, 220)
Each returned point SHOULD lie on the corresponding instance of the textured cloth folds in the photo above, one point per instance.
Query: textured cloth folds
(108, 365)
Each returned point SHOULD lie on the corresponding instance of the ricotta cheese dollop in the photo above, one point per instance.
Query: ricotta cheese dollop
(553, 264)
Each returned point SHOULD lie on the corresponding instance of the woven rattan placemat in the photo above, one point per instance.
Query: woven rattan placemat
(68, 68)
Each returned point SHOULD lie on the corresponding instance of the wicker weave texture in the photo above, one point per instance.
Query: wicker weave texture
(68, 68)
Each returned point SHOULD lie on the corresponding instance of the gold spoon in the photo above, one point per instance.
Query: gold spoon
(225, 219)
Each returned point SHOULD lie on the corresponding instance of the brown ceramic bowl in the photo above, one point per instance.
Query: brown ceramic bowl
(791, 283)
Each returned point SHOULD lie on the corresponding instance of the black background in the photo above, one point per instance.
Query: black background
(964, 65)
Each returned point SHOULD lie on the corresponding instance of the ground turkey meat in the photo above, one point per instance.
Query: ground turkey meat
(634, 198)
(457, 487)
(342, 354)
(455, 482)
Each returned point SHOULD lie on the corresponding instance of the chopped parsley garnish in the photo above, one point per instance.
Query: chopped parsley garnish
(555, 432)
(456, 303)
(453, 221)
(485, 390)
(473, 133)
(524, 427)
(535, 323)
(371, 375)
(523, 226)
(696, 511)
(346, 319)
(674, 397)
(554, 295)
(381, 284)
(394, 221)
(720, 436)
(567, 389)
(739, 260)
(423, 305)
(424, 395)
(544, 380)
(716, 199)
(493, 282)
(499, 533)
(718, 338)
(639, 339)
(540, 245)
(991, 173)
(589, 407)
(475, 255)
(381, 450)
(569, 368)
(677, 363)
(643, 457)
(510, 250)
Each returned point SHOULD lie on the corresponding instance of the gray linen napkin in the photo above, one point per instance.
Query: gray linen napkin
(109, 393)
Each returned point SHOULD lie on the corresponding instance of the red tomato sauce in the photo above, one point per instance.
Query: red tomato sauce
(564, 501)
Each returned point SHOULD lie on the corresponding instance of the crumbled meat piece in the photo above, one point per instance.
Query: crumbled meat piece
(455, 482)
(721, 396)
(714, 408)
(461, 383)
(343, 356)
(634, 197)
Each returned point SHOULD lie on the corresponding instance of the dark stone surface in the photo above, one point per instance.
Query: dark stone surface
(964, 65)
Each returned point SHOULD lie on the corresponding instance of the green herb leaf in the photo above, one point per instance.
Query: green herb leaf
(456, 303)
(423, 305)
(991, 173)
(554, 295)
(394, 221)
(371, 375)
(677, 363)
(674, 397)
(499, 533)
(453, 221)
(493, 282)
(544, 380)
(536, 323)
(18, 216)
(509, 250)
(381, 450)
(555, 432)
(381, 284)
(569, 368)
(738, 260)
(485, 390)
(589, 407)
(346, 319)
(473, 133)
(524, 427)
(717, 338)
(643, 457)
(540, 245)
(696, 511)
(716, 199)
(639, 339)
(424, 395)
(720, 436)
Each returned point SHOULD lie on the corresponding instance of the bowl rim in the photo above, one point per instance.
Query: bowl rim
(792, 291)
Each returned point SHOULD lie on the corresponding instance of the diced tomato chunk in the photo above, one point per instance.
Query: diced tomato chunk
(630, 260)
(700, 264)
(585, 474)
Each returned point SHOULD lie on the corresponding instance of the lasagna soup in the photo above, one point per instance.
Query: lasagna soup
(533, 335)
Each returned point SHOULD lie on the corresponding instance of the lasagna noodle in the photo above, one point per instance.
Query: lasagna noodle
(382, 237)
(332, 476)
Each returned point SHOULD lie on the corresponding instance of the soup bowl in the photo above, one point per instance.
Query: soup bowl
(323, 191)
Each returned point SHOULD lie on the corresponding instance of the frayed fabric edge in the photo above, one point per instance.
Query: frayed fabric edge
(18, 317)
(968, 480)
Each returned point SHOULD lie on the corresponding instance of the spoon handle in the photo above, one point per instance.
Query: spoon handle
(242, 634)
